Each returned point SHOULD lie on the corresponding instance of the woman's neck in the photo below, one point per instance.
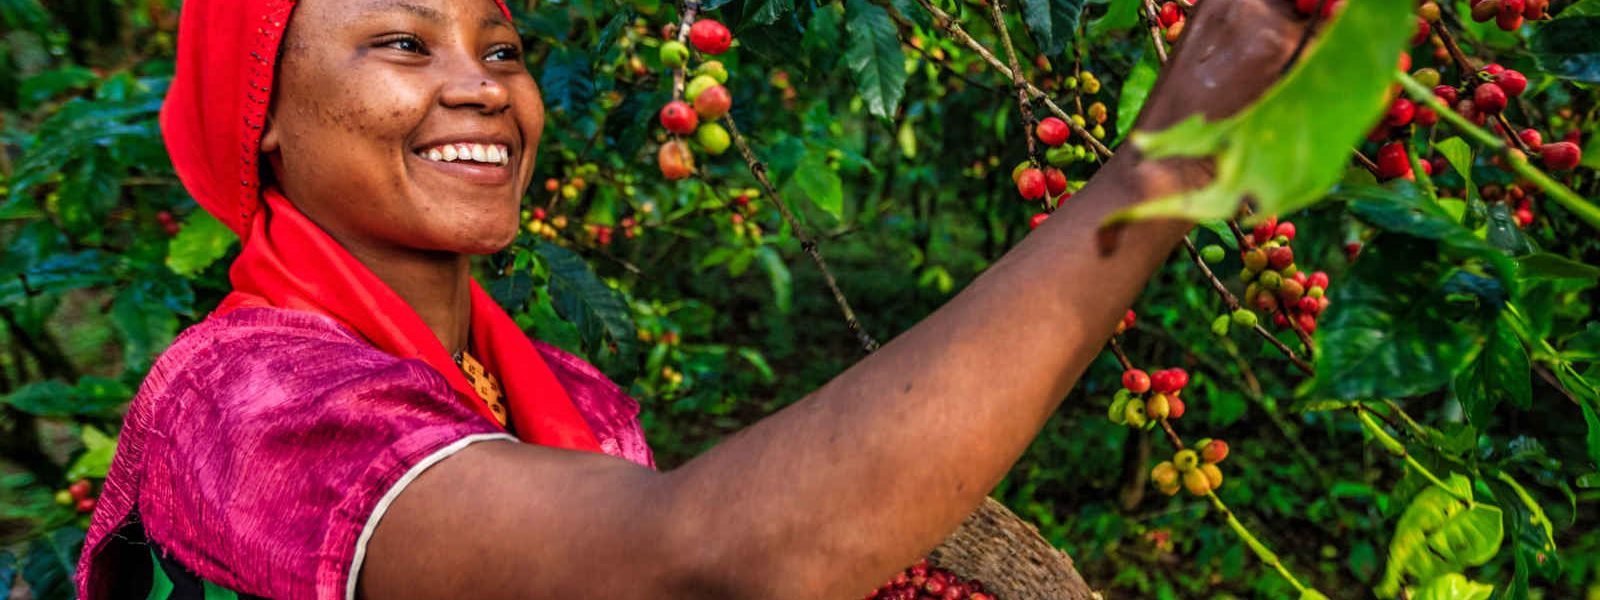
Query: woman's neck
(436, 284)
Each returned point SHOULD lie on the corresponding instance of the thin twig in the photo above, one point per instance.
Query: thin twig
(1155, 30)
(1122, 357)
(759, 170)
(949, 25)
(1017, 82)
(1232, 302)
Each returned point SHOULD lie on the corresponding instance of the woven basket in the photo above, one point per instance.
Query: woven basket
(1006, 553)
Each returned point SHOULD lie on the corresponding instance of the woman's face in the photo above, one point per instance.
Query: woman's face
(405, 124)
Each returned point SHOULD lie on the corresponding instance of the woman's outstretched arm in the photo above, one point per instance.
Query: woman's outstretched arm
(837, 492)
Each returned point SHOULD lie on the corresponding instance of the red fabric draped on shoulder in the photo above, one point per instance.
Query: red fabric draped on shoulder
(212, 123)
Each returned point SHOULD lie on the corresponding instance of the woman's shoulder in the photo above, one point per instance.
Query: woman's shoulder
(250, 351)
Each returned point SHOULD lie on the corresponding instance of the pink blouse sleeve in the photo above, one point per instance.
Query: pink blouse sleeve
(264, 462)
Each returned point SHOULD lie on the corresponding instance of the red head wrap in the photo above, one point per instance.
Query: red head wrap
(212, 123)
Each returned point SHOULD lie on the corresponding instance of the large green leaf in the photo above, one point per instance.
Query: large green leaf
(59, 273)
(1267, 152)
(1121, 15)
(599, 313)
(1135, 90)
(1053, 23)
(146, 314)
(778, 275)
(1499, 373)
(1453, 586)
(92, 395)
(1568, 47)
(567, 81)
(98, 450)
(767, 12)
(819, 182)
(1388, 332)
(201, 242)
(1440, 534)
(52, 562)
(874, 57)
(1459, 154)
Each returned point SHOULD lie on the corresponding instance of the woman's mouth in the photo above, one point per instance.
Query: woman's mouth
(476, 163)
(489, 154)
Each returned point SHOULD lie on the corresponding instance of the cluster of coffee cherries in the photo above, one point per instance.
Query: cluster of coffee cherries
(923, 581)
(1274, 283)
(79, 496)
(705, 97)
(743, 208)
(1171, 17)
(1509, 14)
(1192, 469)
(1146, 399)
(1049, 183)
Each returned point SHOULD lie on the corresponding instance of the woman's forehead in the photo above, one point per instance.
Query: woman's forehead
(488, 13)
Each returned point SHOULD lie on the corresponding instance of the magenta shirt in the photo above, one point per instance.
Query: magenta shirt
(265, 444)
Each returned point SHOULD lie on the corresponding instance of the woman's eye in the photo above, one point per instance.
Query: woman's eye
(508, 53)
(405, 44)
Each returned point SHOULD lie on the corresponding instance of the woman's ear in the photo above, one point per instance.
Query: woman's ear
(269, 136)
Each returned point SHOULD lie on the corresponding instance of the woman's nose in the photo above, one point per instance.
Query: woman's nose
(472, 86)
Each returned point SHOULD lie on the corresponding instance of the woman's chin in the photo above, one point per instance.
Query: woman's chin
(486, 240)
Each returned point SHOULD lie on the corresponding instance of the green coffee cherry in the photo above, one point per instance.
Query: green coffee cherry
(1220, 325)
(715, 69)
(699, 84)
(674, 54)
(1213, 254)
(1244, 317)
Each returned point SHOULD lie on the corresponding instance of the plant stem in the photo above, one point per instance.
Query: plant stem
(1232, 303)
(759, 170)
(1017, 82)
(1517, 161)
(1398, 449)
(1261, 550)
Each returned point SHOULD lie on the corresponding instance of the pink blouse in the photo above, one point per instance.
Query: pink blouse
(265, 445)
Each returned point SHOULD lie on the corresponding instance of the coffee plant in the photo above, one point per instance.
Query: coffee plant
(1380, 340)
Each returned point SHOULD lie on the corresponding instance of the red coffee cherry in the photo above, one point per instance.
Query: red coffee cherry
(1053, 131)
(1489, 98)
(1214, 451)
(1167, 381)
(1031, 184)
(1392, 161)
(1531, 137)
(1136, 381)
(1401, 111)
(1560, 156)
(675, 160)
(1513, 82)
(1280, 257)
(1037, 220)
(1055, 181)
(679, 118)
(713, 102)
(710, 37)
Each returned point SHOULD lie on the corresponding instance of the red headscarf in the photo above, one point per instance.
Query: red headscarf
(212, 123)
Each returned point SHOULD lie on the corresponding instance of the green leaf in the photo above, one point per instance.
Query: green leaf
(1459, 155)
(52, 83)
(201, 242)
(1053, 24)
(1387, 333)
(1568, 47)
(1500, 373)
(1135, 90)
(59, 273)
(874, 57)
(567, 81)
(1544, 265)
(820, 183)
(599, 313)
(778, 274)
(52, 562)
(1453, 586)
(1325, 406)
(1588, 395)
(754, 357)
(98, 450)
(767, 12)
(8, 572)
(1121, 15)
(1267, 152)
(92, 396)
(146, 314)
(1440, 534)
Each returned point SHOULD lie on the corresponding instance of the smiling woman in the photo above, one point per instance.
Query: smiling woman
(359, 419)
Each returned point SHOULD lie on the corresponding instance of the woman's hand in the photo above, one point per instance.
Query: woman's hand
(1230, 53)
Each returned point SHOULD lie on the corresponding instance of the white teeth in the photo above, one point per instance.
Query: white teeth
(493, 154)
